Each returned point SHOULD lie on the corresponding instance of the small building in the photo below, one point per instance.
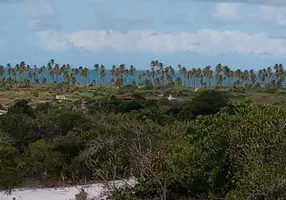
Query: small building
(126, 98)
(60, 97)
(3, 112)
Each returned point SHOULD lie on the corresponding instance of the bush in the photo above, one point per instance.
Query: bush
(11, 167)
(21, 107)
(236, 159)
(81, 196)
(127, 106)
(138, 96)
(129, 87)
(230, 150)
(35, 93)
(207, 102)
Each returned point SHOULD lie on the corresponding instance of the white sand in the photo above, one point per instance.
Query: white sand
(97, 191)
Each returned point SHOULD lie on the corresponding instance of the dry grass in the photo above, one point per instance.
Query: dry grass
(48, 92)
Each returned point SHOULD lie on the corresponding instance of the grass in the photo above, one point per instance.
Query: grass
(46, 93)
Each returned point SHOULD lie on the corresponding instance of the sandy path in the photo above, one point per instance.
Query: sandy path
(96, 191)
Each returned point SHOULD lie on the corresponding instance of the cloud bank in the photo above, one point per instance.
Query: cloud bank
(226, 11)
(42, 15)
(208, 41)
(273, 16)
(205, 41)
(258, 2)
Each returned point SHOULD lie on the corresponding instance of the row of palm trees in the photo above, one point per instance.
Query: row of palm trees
(158, 74)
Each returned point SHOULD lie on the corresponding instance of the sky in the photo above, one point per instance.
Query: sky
(194, 33)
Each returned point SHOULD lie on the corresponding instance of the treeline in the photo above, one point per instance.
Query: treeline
(205, 148)
(157, 75)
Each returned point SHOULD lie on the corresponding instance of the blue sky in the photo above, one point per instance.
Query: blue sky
(194, 33)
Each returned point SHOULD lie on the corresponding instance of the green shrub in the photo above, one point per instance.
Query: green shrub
(81, 196)
(207, 102)
(35, 93)
(129, 87)
(11, 167)
(244, 156)
(2, 107)
(21, 107)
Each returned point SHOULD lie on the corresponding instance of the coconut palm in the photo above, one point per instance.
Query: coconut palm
(102, 73)
(2, 71)
(96, 69)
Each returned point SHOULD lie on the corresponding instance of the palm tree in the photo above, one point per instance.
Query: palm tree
(183, 72)
(279, 74)
(57, 72)
(41, 71)
(2, 71)
(73, 79)
(218, 75)
(96, 69)
(122, 72)
(66, 76)
(252, 76)
(51, 71)
(14, 75)
(84, 74)
(113, 73)
(207, 73)
(132, 73)
(102, 73)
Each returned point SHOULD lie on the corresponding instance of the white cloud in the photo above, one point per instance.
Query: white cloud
(53, 41)
(41, 8)
(42, 15)
(97, 1)
(226, 11)
(273, 15)
(11, 1)
(259, 2)
(204, 41)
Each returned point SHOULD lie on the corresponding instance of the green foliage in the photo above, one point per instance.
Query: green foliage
(35, 93)
(11, 167)
(124, 194)
(231, 150)
(129, 87)
(204, 103)
(54, 143)
(186, 112)
(2, 107)
(44, 108)
(126, 106)
(244, 156)
(81, 196)
(21, 107)
(116, 106)
(242, 159)
(138, 96)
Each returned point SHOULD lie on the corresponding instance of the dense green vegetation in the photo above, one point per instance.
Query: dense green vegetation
(208, 147)
(210, 144)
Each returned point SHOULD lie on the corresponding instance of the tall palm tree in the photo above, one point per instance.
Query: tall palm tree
(51, 71)
(122, 72)
(132, 73)
(84, 74)
(57, 72)
(102, 73)
(96, 69)
(218, 74)
(2, 71)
